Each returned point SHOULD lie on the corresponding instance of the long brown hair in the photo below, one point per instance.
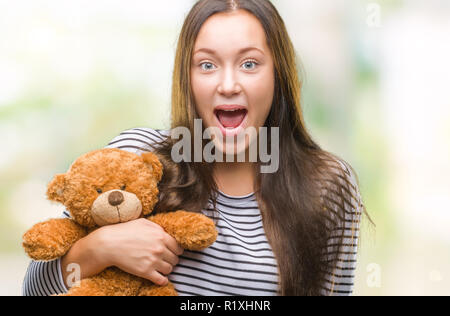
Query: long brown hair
(303, 204)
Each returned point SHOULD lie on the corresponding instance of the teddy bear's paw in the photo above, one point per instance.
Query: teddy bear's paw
(200, 234)
(193, 231)
(51, 239)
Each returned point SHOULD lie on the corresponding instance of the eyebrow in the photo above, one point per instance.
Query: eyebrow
(213, 52)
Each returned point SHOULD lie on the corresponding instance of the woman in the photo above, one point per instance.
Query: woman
(290, 232)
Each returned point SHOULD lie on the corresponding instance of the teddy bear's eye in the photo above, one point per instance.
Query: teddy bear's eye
(99, 191)
(123, 187)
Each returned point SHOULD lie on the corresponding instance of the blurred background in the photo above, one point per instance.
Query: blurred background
(74, 74)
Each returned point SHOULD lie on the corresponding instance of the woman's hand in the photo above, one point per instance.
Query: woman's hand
(139, 247)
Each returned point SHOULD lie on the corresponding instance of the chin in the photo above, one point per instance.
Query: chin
(232, 148)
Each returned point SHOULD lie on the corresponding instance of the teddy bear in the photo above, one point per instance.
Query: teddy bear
(106, 187)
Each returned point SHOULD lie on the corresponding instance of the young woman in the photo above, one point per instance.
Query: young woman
(290, 232)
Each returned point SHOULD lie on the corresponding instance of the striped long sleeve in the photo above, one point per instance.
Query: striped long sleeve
(340, 282)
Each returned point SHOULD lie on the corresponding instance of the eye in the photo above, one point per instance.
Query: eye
(123, 187)
(250, 62)
(99, 191)
(207, 64)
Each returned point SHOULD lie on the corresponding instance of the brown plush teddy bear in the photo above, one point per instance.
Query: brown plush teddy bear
(105, 187)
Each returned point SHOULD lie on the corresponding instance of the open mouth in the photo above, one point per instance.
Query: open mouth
(231, 119)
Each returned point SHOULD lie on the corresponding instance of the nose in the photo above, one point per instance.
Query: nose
(229, 85)
(115, 198)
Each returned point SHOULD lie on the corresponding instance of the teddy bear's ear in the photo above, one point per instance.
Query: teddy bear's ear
(152, 160)
(55, 189)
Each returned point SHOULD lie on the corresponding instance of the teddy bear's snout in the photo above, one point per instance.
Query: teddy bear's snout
(115, 198)
(116, 206)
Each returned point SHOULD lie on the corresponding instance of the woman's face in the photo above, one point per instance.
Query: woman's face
(232, 75)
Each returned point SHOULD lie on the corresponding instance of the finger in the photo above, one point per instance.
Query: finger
(164, 268)
(154, 225)
(170, 257)
(173, 245)
(158, 278)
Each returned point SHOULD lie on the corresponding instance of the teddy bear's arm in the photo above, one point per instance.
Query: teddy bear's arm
(52, 239)
(192, 231)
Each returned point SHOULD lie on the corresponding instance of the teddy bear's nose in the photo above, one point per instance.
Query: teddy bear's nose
(115, 198)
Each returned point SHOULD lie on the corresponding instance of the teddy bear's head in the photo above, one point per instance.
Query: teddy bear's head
(108, 186)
